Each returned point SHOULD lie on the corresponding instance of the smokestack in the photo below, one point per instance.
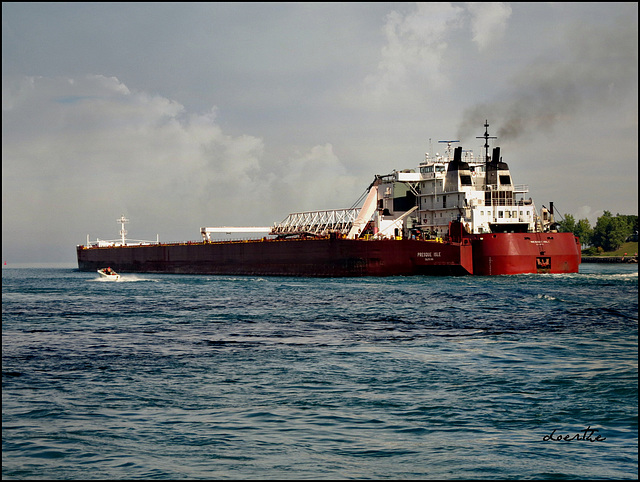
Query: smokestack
(496, 155)
(457, 154)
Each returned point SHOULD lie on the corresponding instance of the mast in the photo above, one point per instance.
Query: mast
(486, 138)
(123, 232)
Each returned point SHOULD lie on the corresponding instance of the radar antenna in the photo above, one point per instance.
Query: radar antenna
(486, 138)
(448, 148)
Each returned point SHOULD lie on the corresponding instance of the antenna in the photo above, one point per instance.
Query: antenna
(486, 138)
(123, 232)
(448, 148)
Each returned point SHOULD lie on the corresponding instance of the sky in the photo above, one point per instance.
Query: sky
(184, 115)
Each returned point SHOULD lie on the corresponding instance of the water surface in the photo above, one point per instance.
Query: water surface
(170, 376)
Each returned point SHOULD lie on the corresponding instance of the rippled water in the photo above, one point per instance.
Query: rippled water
(169, 376)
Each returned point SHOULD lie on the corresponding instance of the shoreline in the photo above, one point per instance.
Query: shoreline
(610, 259)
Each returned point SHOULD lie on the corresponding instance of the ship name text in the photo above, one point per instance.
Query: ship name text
(429, 254)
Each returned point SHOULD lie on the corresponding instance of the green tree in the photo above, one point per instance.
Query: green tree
(584, 231)
(567, 225)
(631, 221)
(610, 232)
(582, 228)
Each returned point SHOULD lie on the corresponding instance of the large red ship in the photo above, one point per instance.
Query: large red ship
(453, 215)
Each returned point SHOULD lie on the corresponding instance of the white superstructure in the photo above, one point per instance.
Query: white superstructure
(477, 191)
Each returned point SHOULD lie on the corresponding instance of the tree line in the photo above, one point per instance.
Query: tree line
(607, 235)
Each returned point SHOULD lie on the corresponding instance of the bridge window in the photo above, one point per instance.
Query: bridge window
(505, 179)
(465, 180)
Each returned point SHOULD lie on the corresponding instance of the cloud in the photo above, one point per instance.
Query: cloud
(586, 212)
(320, 163)
(415, 46)
(488, 22)
(417, 43)
(89, 149)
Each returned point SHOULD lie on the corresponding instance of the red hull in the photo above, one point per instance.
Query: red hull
(517, 253)
(482, 255)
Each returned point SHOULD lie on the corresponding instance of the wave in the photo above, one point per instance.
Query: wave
(548, 297)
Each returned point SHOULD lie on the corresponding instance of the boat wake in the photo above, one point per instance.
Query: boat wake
(631, 276)
(123, 279)
(130, 278)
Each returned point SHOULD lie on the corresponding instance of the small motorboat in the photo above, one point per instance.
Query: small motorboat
(108, 273)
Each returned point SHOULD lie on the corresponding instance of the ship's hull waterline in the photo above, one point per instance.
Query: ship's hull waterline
(491, 254)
